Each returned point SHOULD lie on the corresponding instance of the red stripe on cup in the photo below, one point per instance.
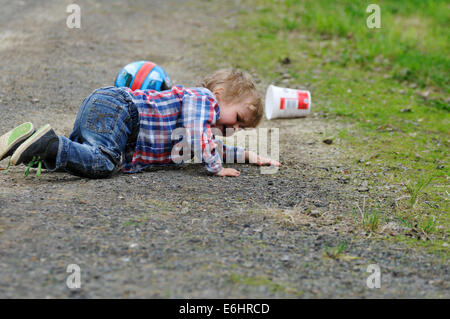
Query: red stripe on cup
(142, 74)
(282, 103)
(303, 100)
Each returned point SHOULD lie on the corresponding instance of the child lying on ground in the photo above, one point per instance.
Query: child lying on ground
(117, 128)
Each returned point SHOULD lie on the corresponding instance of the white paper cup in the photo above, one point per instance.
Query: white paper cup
(284, 102)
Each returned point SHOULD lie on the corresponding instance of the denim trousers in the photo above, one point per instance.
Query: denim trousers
(104, 132)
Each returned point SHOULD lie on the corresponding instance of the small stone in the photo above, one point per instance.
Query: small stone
(445, 245)
(319, 203)
(286, 60)
(364, 187)
(406, 110)
(315, 213)
(285, 258)
(424, 94)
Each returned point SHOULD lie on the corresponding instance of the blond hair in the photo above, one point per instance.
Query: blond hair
(237, 84)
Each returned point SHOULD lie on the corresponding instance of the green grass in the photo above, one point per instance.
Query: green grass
(410, 44)
(416, 189)
(335, 252)
(390, 84)
(138, 221)
(368, 220)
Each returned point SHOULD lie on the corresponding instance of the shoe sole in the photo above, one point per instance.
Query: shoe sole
(13, 137)
(33, 138)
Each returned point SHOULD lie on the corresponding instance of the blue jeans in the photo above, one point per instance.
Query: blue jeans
(105, 131)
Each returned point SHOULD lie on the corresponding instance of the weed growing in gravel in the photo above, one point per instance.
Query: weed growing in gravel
(413, 215)
(160, 206)
(429, 225)
(137, 222)
(335, 252)
(130, 223)
(416, 189)
(369, 220)
(420, 227)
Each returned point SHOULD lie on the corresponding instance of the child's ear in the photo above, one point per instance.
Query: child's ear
(218, 92)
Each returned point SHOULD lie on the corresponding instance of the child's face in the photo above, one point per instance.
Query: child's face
(233, 115)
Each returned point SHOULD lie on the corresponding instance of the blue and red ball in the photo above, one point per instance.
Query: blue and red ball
(143, 75)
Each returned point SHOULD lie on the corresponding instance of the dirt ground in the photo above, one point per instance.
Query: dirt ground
(175, 233)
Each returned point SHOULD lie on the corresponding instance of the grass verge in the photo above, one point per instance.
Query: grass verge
(390, 83)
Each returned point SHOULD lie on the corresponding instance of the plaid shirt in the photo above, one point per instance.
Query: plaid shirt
(171, 119)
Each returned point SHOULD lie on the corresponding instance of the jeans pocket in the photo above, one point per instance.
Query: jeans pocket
(103, 115)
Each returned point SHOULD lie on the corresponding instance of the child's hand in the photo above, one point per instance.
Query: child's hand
(228, 172)
(254, 158)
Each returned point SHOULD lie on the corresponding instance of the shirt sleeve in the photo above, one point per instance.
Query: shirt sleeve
(199, 117)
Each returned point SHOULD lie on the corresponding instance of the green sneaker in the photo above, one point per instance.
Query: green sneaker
(10, 141)
(42, 145)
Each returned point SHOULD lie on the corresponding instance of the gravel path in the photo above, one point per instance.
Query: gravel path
(174, 233)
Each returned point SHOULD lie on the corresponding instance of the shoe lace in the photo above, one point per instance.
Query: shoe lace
(35, 160)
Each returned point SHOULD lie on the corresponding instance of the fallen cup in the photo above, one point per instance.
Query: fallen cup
(284, 102)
